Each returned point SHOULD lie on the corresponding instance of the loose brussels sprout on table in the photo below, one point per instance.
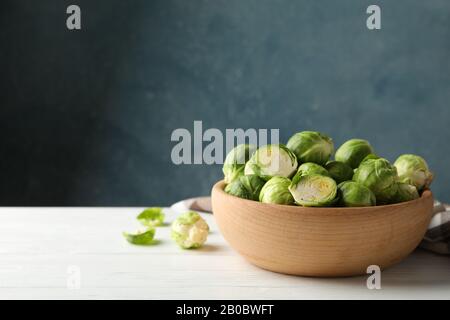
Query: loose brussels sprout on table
(356, 178)
(353, 152)
(190, 230)
(311, 168)
(380, 177)
(234, 164)
(311, 146)
(413, 170)
(313, 190)
(339, 171)
(353, 194)
(246, 187)
(276, 190)
(272, 160)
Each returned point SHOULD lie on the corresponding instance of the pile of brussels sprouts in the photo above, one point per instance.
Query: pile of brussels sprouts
(301, 173)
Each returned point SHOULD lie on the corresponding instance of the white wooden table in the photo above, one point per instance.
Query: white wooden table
(79, 253)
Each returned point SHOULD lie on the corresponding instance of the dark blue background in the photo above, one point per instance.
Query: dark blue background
(86, 116)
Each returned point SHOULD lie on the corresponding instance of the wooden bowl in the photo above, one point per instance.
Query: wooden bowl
(325, 242)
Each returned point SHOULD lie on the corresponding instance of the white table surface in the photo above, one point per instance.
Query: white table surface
(79, 253)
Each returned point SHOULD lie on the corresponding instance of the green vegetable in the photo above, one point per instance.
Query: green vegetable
(189, 230)
(253, 184)
(311, 168)
(272, 160)
(405, 192)
(246, 187)
(276, 190)
(413, 170)
(234, 164)
(380, 177)
(311, 146)
(339, 171)
(353, 194)
(357, 176)
(141, 237)
(313, 190)
(353, 152)
(237, 189)
(151, 217)
(370, 156)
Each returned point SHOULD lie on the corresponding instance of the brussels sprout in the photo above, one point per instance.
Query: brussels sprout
(370, 156)
(311, 146)
(151, 217)
(339, 171)
(189, 230)
(413, 170)
(234, 164)
(353, 152)
(379, 176)
(405, 192)
(313, 190)
(237, 189)
(311, 168)
(253, 184)
(353, 194)
(276, 190)
(272, 160)
(246, 187)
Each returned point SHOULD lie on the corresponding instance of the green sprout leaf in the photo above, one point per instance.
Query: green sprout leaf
(151, 217)
(141, 237)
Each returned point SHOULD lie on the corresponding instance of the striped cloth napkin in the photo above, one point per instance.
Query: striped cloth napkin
(437, 238)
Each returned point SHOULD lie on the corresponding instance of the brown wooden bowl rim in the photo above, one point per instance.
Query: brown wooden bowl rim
(220, 185)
